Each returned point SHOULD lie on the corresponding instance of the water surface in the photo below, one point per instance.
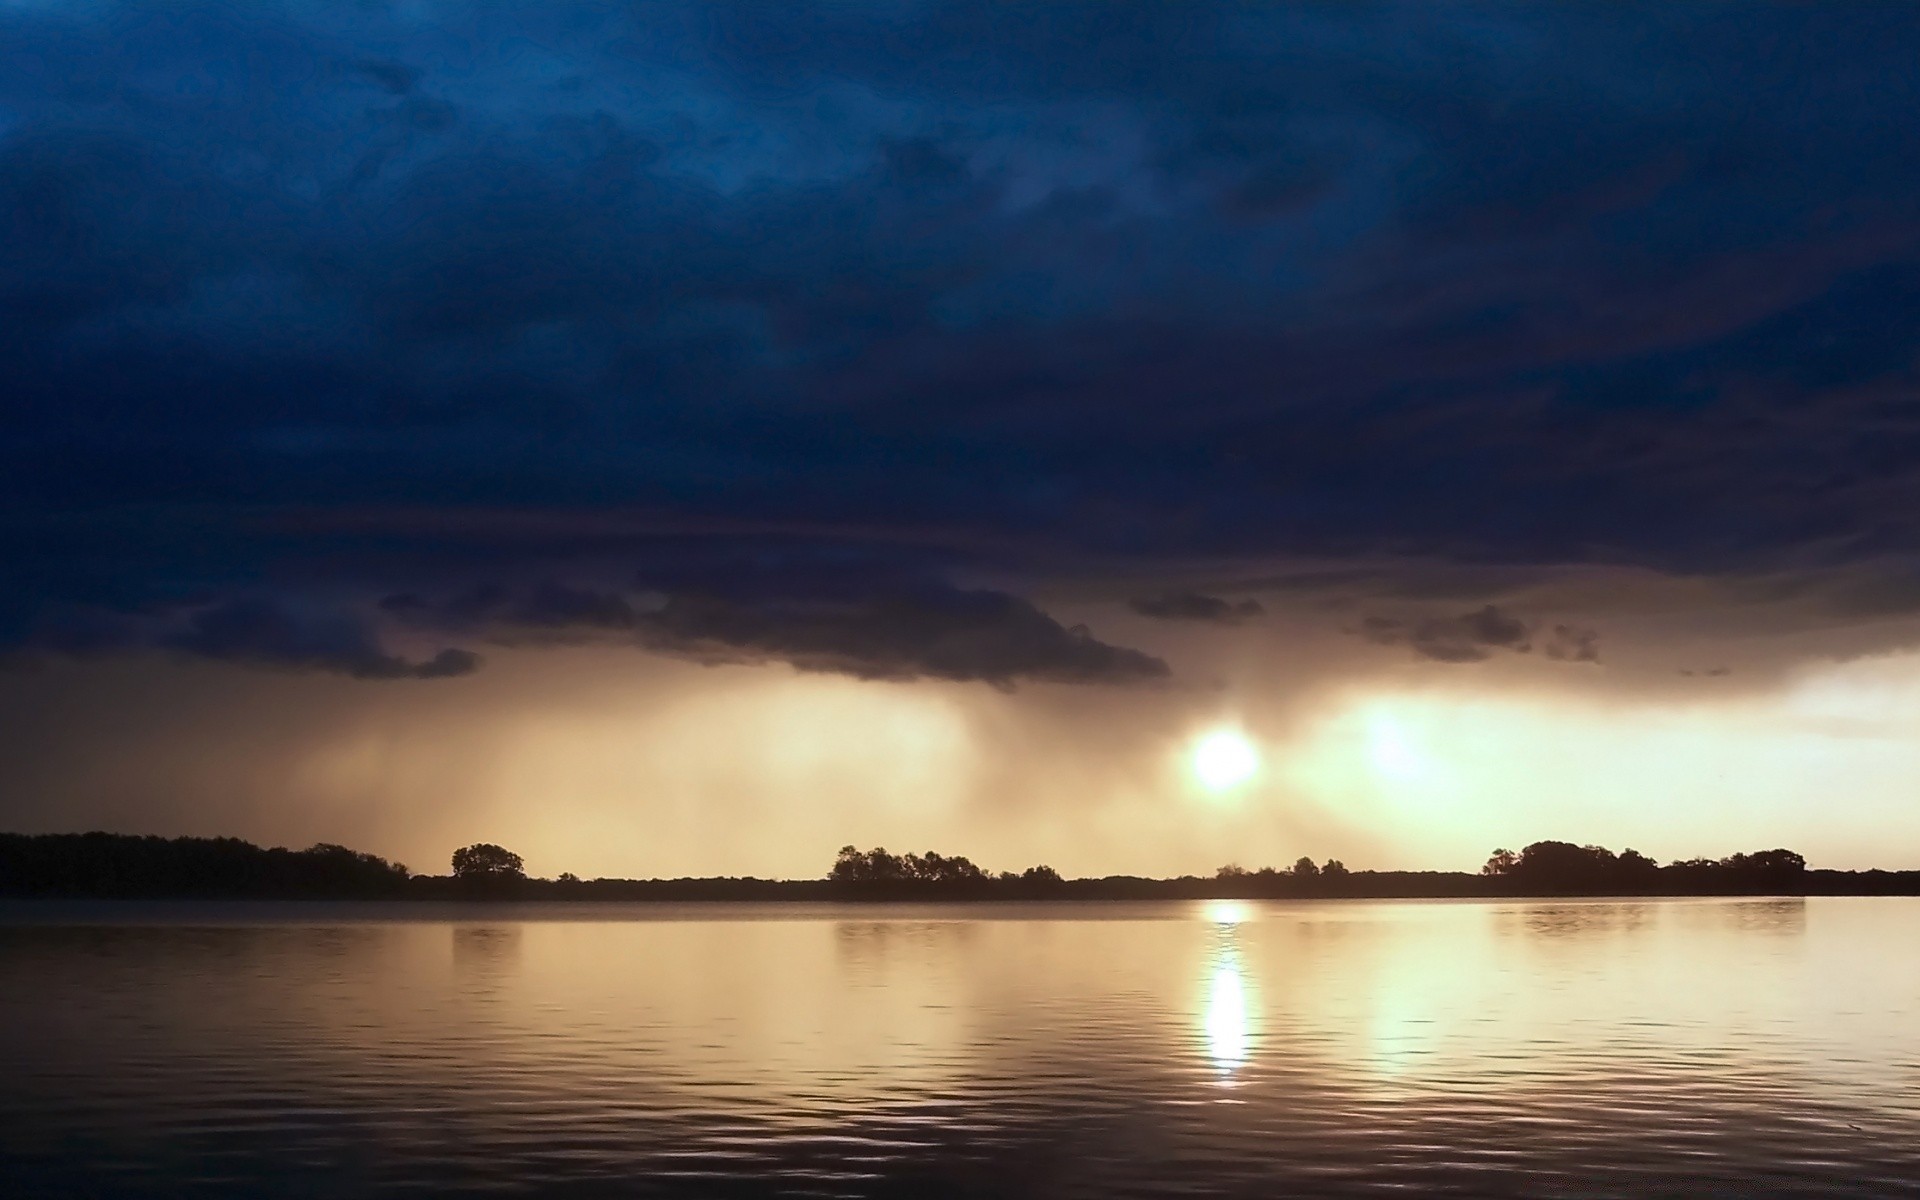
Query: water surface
(1572, 1048)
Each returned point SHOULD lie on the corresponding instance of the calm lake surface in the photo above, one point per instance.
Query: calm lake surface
(1551, 1048)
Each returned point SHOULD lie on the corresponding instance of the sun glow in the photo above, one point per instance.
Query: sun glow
(1223, 759)
(1390, 750)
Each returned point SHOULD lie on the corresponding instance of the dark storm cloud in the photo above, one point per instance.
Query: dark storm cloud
(930, 631)
(254, 631)
(945, 295)
(559, 610)
(1195, 606)
(952, 634)
(258, 631)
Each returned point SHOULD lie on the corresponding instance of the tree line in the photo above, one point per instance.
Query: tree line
(111, 865)
(115, 866)
(1563, 866)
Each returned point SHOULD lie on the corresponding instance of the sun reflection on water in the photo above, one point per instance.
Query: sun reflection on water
(1228, 912)
(1227, 1017)
(1226, 1011)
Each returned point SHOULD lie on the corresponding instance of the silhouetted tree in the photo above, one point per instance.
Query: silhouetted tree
(1760, 871)
(876, 871)
(872, 866)
(1335, 869)
(1502, 862)
(484, 871)
(1779, 866)
(1230, 871)
(1304, 868)
(933, 867)
(847, 865)
(486, 861)
(1636, 867)
(1563, 866)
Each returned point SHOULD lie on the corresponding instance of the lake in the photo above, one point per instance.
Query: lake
(1723, 1047)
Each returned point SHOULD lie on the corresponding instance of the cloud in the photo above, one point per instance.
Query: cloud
(547, 610)
(1568, 644)
(1193, 606)
(1128, 287)
(931, 631)
(250, 631)
(1469, 637)
(966, 635)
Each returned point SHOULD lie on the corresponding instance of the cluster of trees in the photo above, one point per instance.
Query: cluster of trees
(1305, 878)
(484, 869)
(1565, 867)
(877, 871)
(1303, 868)
(113, 865)
(877, 866)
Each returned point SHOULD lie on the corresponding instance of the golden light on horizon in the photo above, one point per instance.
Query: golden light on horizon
(1224, 759)
(586, 765)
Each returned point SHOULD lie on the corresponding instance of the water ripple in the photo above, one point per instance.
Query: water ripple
(1702, 1048)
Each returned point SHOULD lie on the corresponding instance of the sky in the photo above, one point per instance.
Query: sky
(684, 438)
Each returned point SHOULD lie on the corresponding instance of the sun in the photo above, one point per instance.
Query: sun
(1223, 759)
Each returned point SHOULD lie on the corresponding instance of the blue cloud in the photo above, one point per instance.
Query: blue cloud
(943, 290)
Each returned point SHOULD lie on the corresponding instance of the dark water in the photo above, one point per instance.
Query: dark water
(1667, 1048)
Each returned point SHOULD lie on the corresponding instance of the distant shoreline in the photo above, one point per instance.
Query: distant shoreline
(665, 893)
(102, 866)
(1363, 885)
